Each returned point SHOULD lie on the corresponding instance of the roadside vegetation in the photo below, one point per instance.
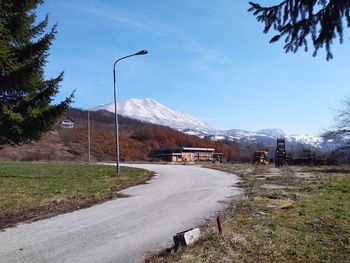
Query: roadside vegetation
(292, 214)
(30, 191)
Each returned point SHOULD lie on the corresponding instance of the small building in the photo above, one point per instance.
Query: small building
(67, 123)
(186, 154)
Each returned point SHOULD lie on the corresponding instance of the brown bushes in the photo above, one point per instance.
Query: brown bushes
(137, 139)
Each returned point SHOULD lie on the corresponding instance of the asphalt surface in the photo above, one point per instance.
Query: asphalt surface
(179, 197)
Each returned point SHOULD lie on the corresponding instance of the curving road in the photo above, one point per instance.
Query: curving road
(177, 198)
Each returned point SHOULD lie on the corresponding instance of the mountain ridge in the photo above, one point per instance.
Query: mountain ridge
(151, 111)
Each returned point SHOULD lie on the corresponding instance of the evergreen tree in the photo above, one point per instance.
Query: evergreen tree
(300, 21)
(26, 109)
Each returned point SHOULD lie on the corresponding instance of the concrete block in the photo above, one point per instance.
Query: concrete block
(187, 237)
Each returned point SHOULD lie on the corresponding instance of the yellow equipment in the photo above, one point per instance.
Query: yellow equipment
(260, 157)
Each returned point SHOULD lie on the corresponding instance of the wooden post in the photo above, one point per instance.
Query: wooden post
(219, 224)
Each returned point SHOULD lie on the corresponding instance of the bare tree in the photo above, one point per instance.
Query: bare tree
(340, 133)
(300, 21)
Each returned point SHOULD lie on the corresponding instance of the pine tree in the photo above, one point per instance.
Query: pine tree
(26, 109)
(300, 21)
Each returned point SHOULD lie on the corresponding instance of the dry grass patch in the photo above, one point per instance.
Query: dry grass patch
(310, 223)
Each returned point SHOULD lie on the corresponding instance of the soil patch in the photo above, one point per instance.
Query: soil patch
(277, 186)
(304, 175)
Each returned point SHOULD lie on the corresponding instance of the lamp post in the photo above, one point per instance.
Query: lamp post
(89, 138)
(142, 52)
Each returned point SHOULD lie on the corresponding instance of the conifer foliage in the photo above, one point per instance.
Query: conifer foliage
(300, 21)
(26, 109)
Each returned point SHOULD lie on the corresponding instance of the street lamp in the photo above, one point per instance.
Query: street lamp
(89, 137)
(142, 52)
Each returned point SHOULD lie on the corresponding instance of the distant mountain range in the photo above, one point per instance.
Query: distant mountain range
(149, 110)
(267, 138)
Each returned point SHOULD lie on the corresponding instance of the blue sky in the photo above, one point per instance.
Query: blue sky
(207, 58)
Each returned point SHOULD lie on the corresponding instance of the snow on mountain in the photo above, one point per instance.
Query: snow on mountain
(312, 140)
(272, 132)
(239, 134)
(149, 110)
(268, 138)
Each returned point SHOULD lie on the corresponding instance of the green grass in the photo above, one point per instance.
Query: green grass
(308, 224)
(25, 184)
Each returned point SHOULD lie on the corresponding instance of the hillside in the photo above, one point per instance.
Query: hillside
(136, 140)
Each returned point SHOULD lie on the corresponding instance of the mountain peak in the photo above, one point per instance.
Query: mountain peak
(149, 110)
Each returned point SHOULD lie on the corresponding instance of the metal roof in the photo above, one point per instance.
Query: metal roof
(181, 149)
(198, 149)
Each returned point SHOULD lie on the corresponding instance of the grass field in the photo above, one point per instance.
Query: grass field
(29, 190)
(290, 215)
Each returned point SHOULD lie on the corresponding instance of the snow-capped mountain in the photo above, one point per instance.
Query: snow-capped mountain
(267, 138)
(149, 110)
(267, 134)
(272, 132)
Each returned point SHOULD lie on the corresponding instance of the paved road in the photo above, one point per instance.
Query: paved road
(177, 198)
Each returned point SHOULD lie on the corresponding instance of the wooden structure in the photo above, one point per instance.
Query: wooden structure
(280, 154)
(309, 158)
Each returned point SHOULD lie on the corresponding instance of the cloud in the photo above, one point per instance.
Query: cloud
(205, 61)
(213, 63)
(120, 16)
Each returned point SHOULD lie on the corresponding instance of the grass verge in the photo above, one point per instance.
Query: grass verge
(282, 218)
(30, 191)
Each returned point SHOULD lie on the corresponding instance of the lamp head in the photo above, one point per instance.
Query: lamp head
(142, 52)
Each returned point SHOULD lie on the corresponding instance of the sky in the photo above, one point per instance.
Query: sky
(207, 58)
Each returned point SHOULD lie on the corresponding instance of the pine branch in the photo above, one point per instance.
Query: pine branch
(300, 21)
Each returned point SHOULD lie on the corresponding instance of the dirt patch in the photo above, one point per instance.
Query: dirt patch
(273, 203)
(305, 175)
(273, 174)
(66, 205)
(277, 186)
